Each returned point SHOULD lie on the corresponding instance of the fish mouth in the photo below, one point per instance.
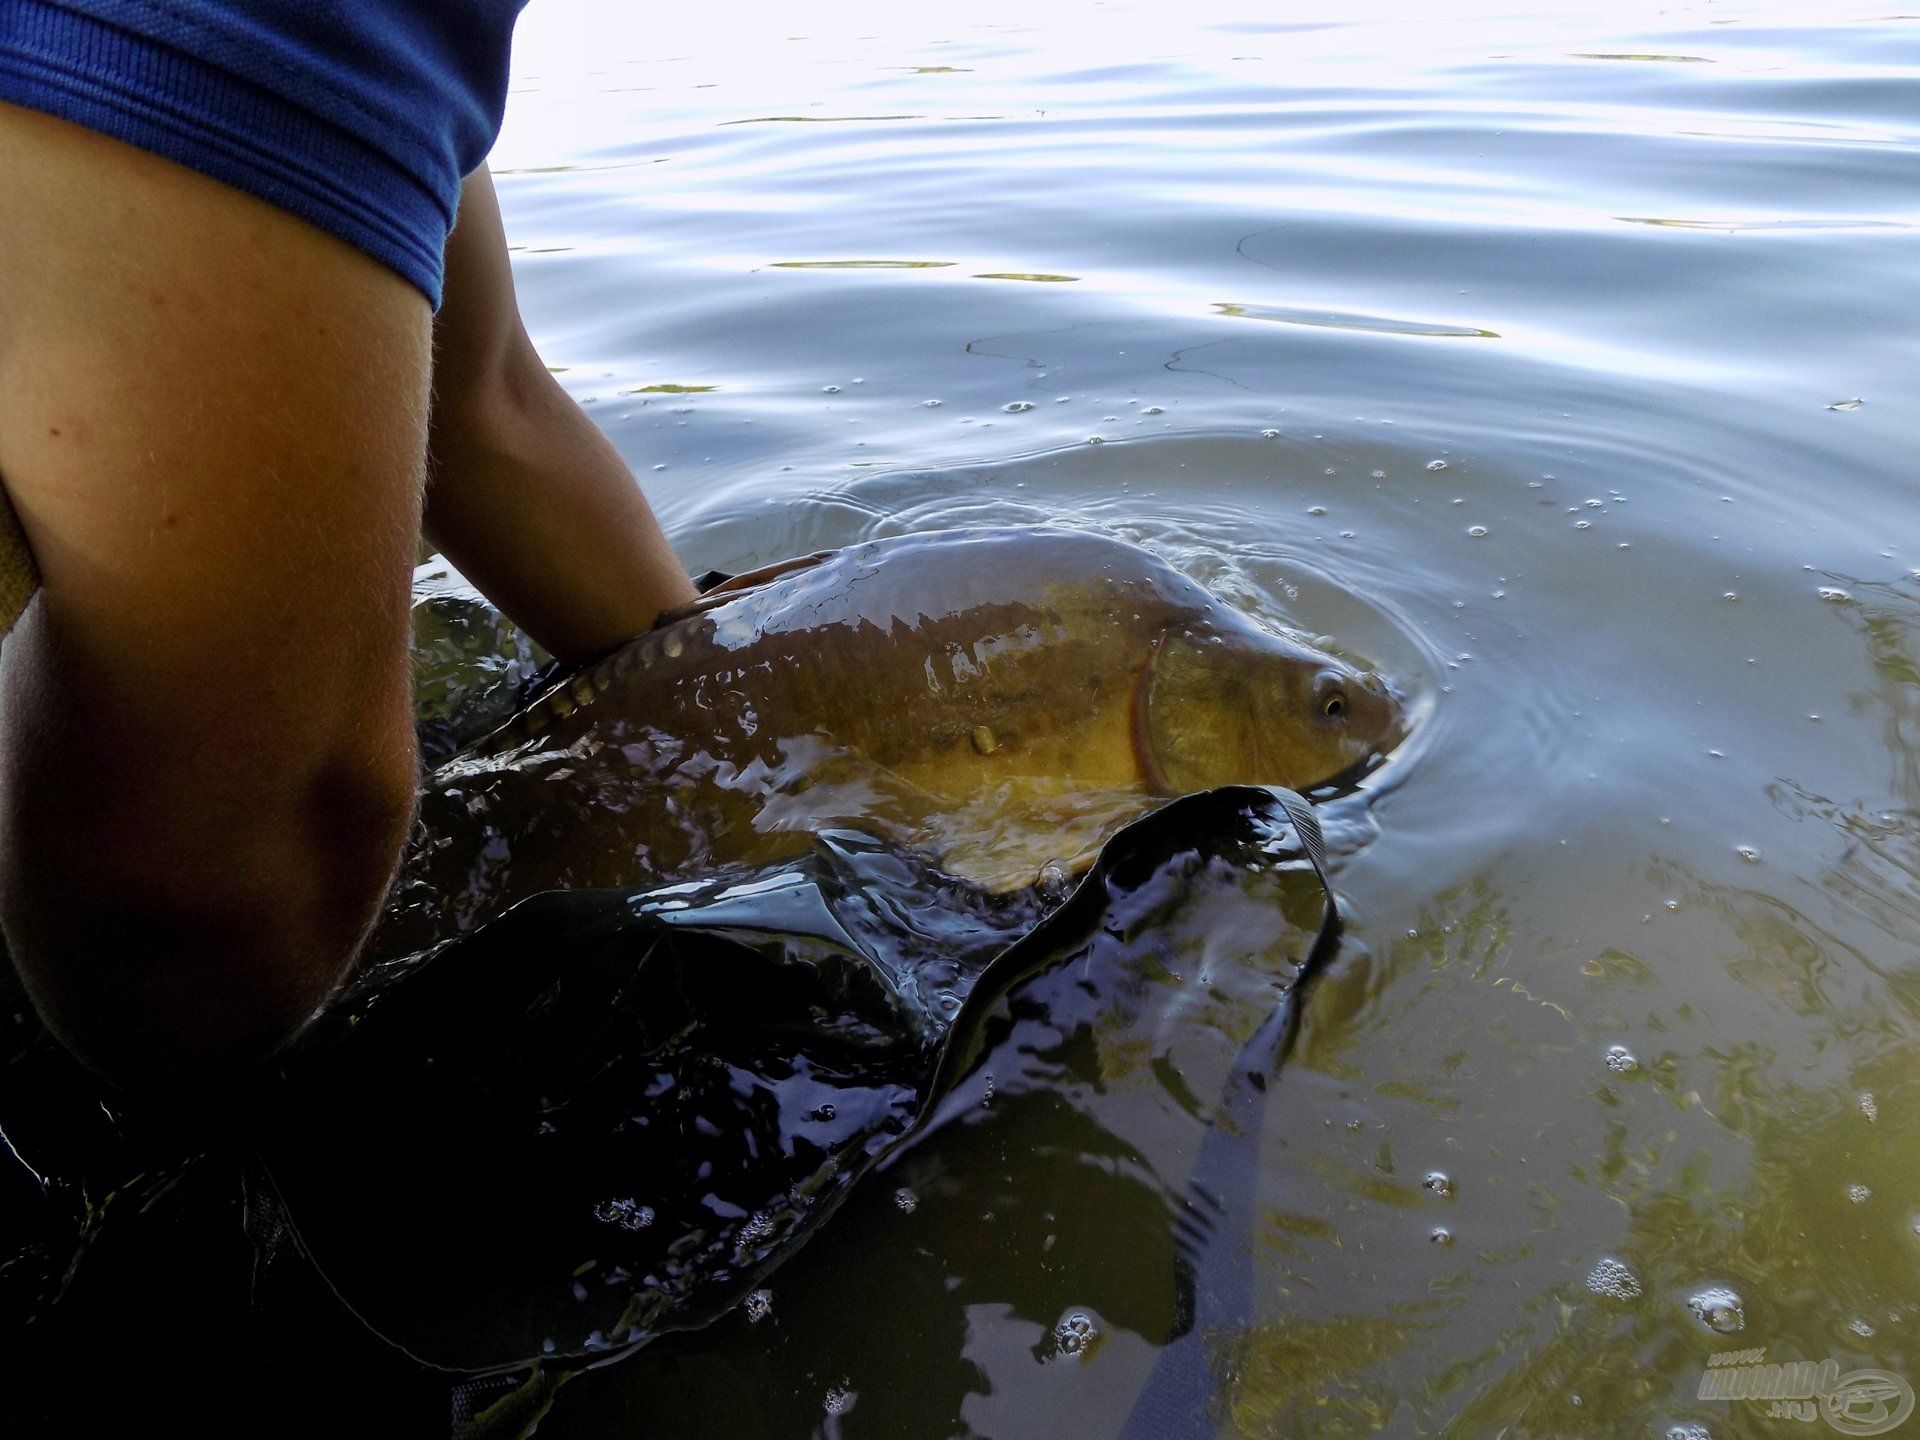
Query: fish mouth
(1346, 781)
(1392, 727)
(1397, 725)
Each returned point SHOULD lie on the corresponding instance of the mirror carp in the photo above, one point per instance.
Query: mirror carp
(1001, 700)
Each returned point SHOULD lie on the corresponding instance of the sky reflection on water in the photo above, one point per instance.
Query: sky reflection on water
(1559, 303)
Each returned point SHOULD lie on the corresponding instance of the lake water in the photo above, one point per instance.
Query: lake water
(1562, 364)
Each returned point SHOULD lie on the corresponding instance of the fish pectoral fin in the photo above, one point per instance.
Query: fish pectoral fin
(1022, 832)
(1004, 841)
(1002, 869)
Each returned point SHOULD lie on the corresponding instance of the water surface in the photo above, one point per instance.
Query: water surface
(1562, 365)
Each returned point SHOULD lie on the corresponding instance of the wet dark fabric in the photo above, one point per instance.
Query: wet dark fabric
(601, 1120)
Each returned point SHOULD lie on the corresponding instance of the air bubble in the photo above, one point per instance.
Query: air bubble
(1075, 1333)
(1858, 1193)
(1478, 532)
(1595, 505)
(627, 1214)
(1833, 594)
(906, 1201)
(1053, 882)
(1719, 1309)
(1316, 510)
(1869, 1107)
(1096, 440)
(759, 1305)
(1861, 1328)
(1269, 434)
(1441, 1236)
(1621, 1060)
(1153, 410)
(840, 1399)
(1583, 524)
(1436, 464)
(1748, 853)
(1440, 1183)
(1613, 1278)
(931, 404)
(1017, 407)
(829, 389)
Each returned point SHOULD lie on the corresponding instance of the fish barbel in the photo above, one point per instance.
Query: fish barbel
(999, 699)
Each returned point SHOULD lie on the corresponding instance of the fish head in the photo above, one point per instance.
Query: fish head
(1238, 704)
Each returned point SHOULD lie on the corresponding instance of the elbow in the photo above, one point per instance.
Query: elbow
(180, 967)
(500, 402)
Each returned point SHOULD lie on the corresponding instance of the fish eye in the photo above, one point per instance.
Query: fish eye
(1331, 697)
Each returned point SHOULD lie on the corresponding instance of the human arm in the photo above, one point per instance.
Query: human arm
(525, 495)
(212, 425)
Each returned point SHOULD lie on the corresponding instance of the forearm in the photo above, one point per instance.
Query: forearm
(525, 495)
(535, 506)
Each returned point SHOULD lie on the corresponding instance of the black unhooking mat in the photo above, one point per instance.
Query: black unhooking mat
(602, 1119)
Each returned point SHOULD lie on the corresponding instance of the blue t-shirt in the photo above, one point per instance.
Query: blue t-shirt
(361, 116)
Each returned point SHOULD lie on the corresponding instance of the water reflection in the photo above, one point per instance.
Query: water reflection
(860, 264)
(1686, 263)
(1379, 324)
